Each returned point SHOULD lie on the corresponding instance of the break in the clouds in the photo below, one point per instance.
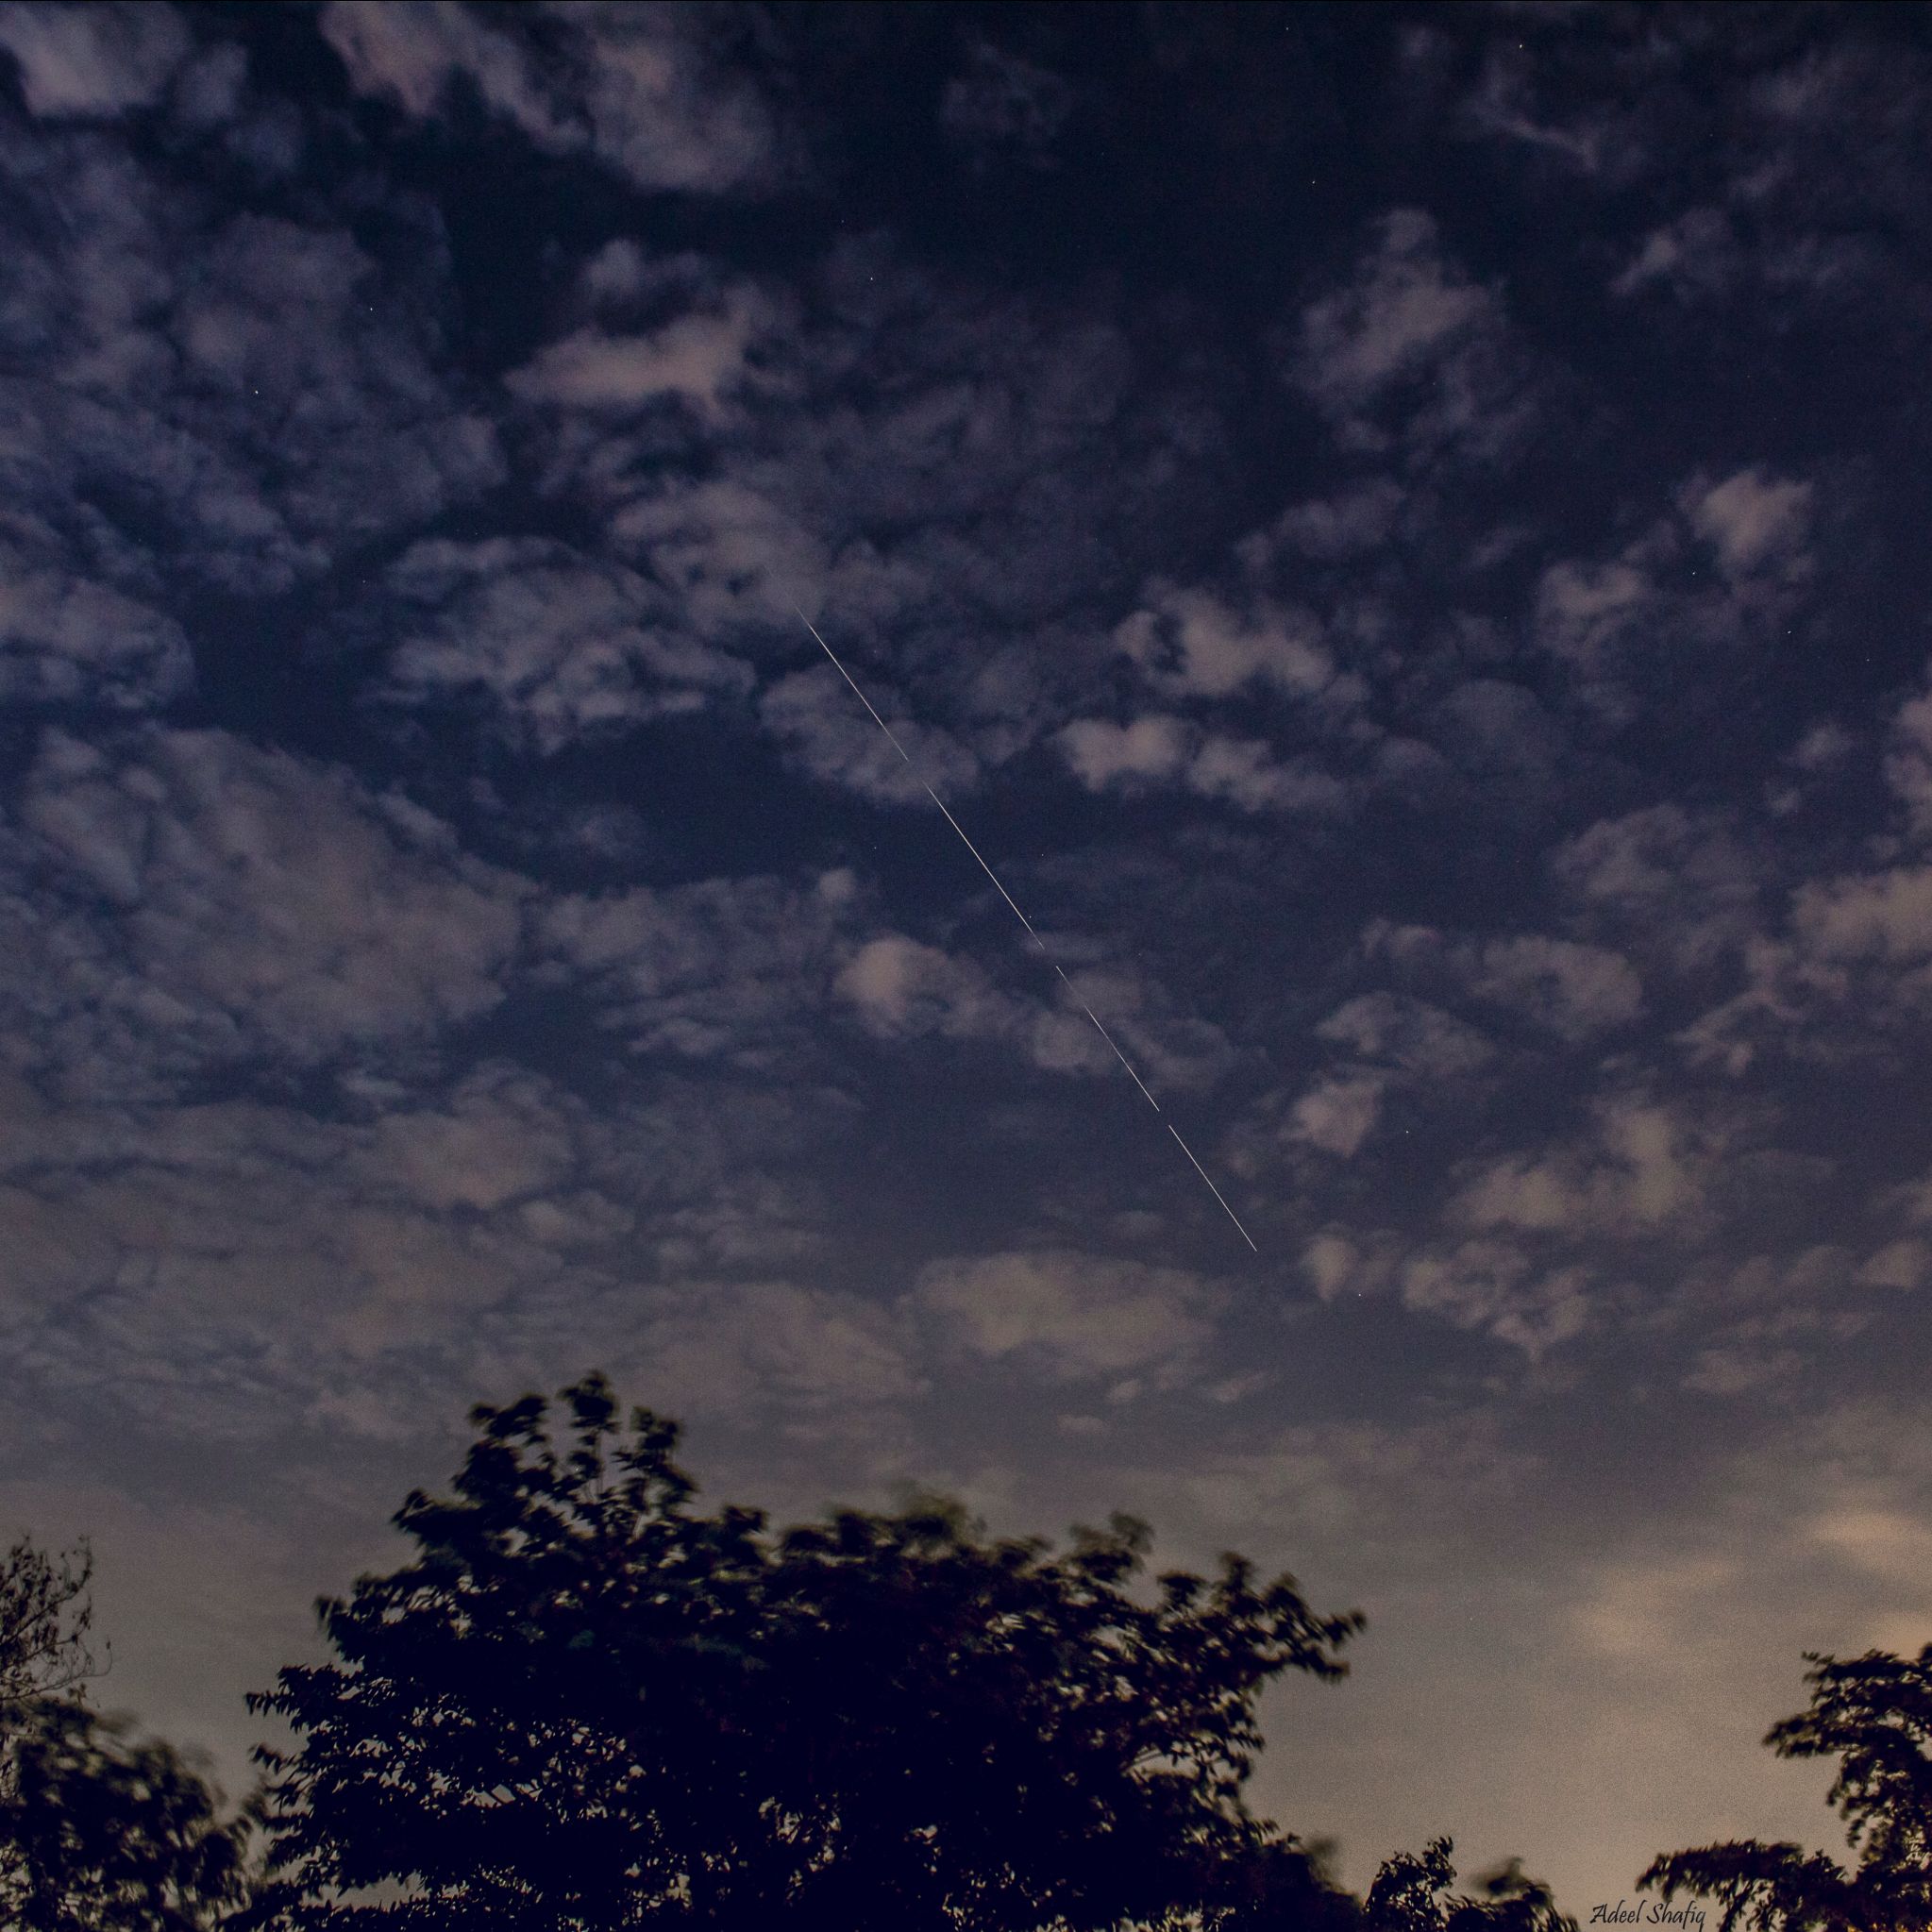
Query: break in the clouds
(1400, 537)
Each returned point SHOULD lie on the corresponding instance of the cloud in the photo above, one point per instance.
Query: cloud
(66, 641)
(814, 715)
(1006, 105)
(1643, 1164)
(1884, 917)
(1409, 353)
(729, 968)
(1677, 885)
(96, 60)
(1398, 1044)
(1623, 625)
(1754, 522)
(1406, 1035)
(1573, 990)
(1152, 747)
(1160, 750)
(1192, 644)
(1605, 144)
(203, 399)
(1491, 1284)
(901, 990)
(1908, 760)
(1406, 306)
(743, 1351)
(1352, 521)
(696, 357)
(1069, 1317)
(559, 647)
(1697, 255)
(733, 556)
(1339, 1113)
(634, 85)
(206, 902)
(1902, 1264)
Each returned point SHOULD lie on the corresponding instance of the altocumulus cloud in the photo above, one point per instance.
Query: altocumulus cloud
(1445, 686)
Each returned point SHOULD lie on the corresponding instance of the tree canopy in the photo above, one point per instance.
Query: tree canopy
(585, 1704)
(1411, 1895)
(99, 1832)
(1873, 1714)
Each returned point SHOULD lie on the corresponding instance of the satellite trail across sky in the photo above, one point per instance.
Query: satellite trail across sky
(1029, 925)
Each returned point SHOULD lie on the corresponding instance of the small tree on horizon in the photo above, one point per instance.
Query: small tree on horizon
(1410, 1894)
(99, 1832)
(1873, 1714)
(584, 1704)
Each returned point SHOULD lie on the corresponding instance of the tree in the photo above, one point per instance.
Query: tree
(1411, 1895)
(46, 1613)
(106, 1833)
(584, 1704)
(98, 1832)
(1873, 1713)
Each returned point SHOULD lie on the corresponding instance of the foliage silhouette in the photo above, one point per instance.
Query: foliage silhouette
(46, 1615)
(582, 1704)
(1873, 1713)
(97, 1832)
(1411, 1894)
(102, 1833)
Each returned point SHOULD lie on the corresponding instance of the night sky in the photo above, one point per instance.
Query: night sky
(1400, 534)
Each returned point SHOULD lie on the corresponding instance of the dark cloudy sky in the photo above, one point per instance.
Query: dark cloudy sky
(1401, 533)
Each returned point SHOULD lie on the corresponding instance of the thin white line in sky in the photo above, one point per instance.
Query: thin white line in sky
(1217, 1192)
(1029, 925)
(879, 721)
(986, 868)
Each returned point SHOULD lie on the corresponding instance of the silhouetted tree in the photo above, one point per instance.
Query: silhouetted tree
(105, 1834)
(583, 1705)
(97, 1832)
(1873, 1713)
(46, 1612)
(1411, 1894)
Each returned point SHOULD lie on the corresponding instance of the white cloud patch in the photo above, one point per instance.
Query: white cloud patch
(1190, 643)
(96, 60)
(1564, 987)
(728, 552)
(1645, 1164)
(1410, 353)
(814, 715)
(562, 648)
(698, 358)
(1625, 624)
(1677, 886)
(743, 1351)
(1070, 1317)
(1157, 749)
(208, 901)
(1338, 1114)
(1398, 1045)
(66, 641)
(1576, 991)
(634, 85)
(1491, 1284)
(1150, 750)
(1908, 760)
(726, 968)
(1753, 521)
(253, 389)
(1696, 255)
